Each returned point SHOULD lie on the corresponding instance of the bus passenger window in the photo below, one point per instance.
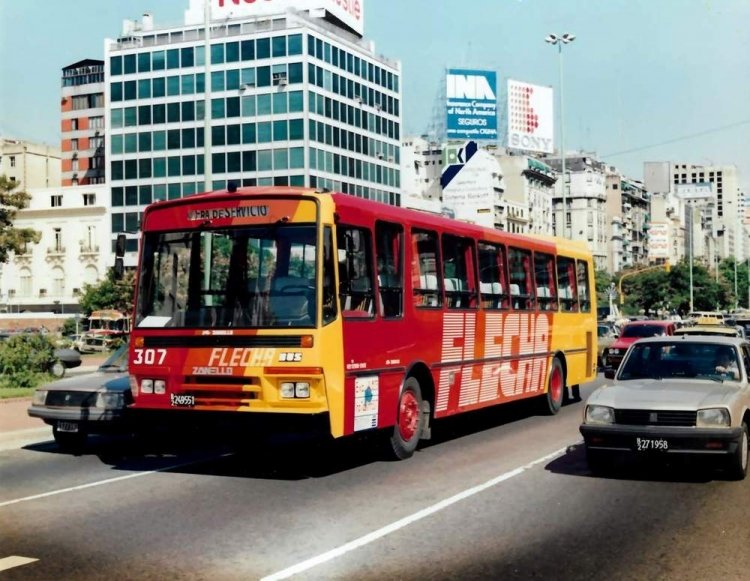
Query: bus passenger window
(389, 242)
(584, 298)
(521, 294)
(493, 277)
(566, 281)
(424, 271)
(355, 271)
(544, 275)
(458, 273)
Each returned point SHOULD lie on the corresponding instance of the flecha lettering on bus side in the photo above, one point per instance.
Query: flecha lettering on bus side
(231, 212)
(240, 356)
(520, 339)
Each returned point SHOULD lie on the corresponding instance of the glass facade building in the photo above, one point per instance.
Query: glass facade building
(291, 101)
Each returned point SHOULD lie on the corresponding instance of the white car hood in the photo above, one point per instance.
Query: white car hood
(672, 394)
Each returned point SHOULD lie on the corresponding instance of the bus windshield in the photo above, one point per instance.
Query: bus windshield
(244, 277)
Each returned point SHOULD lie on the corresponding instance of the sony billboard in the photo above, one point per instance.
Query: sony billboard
(530, 117)
(471, 105)
(350, 12)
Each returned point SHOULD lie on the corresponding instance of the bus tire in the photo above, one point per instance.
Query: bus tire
(409, 421)
(552, 400)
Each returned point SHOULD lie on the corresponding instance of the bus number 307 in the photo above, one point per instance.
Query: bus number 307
(149, 356)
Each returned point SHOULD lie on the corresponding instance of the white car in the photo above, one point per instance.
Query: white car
(672, 396)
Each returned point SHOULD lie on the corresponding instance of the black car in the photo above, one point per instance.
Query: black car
(87, 404)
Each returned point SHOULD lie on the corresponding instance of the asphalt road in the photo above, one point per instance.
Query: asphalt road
(504, 494)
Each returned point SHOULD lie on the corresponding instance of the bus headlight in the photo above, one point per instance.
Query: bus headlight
(599, 414)
(147, 386)
(160, 386)
(295, 389)
(712, 418)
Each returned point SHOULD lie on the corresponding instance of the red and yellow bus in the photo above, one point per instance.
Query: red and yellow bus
(282, 303)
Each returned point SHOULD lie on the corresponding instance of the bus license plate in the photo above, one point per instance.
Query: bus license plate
(181, 400)
(651, 445)
(67, 426)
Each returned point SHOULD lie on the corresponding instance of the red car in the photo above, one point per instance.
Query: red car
(631, 332)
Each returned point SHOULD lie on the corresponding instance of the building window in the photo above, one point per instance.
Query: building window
(89, 199)
(12, 161)
(74, 124)
(58, 240)
(57, 201)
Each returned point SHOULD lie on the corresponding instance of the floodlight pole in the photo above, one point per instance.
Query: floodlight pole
(554, 39)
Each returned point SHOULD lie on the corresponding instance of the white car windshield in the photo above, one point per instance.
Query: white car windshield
(683, 359)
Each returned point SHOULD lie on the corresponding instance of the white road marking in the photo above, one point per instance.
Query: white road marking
(14, 561)
(101, 482)
(406, 521)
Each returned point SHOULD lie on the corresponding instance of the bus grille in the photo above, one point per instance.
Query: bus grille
(217, 391)
(655, 418)
(225, 341)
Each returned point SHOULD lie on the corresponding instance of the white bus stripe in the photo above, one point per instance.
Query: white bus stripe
(399, 524)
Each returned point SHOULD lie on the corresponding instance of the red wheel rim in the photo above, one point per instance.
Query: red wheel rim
(408, 415)
(555, 384)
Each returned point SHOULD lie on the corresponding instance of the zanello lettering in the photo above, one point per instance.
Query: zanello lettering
(517, 345)
(242, 357)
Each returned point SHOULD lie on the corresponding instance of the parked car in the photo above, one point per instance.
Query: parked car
(65, 359)
(87, 404)
(606, 335)
(673, 396)
(630, 333)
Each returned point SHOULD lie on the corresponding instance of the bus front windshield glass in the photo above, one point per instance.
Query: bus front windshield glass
(236, 277)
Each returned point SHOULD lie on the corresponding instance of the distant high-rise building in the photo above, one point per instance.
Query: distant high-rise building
(296, 98)
(82, 109)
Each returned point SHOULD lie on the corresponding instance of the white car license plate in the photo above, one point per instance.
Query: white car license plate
(651, 444)
(67, 426)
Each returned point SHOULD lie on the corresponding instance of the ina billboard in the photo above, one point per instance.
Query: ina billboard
(530, 117)
(471, 105)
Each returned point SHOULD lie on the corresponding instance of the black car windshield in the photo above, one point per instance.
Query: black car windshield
(117, 361)
(683, 359)
(643, 331)
(243, 277)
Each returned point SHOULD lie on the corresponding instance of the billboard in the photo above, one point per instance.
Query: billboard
(658, 240)
(349, 12)
(471, 104)
(530, 117)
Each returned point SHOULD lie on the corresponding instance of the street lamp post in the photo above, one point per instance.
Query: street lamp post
(566, 38)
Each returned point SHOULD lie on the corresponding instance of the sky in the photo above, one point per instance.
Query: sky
(644, 80)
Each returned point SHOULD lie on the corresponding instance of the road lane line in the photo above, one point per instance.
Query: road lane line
(102, 482)
(14, 561)
(406, 521)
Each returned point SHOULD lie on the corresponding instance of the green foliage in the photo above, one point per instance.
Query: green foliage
(68, 327)
(24, 358)
(657, 290)
(13, 239)
(109, 294)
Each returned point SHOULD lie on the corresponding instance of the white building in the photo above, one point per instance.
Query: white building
(74, 249)
(421, 167)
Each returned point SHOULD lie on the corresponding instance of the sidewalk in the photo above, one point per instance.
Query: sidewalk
(17, 429)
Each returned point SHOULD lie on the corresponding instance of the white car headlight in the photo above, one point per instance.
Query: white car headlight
(110, 400)
(713, 418)
(40, 397)
(599, 414)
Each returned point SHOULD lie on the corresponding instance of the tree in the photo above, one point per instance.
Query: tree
(13, 239)
(109, 294)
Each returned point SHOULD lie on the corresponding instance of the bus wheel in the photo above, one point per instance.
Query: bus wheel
(552, 400)
(405, 437)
